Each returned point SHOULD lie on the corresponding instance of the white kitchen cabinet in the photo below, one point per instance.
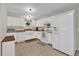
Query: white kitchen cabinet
(33, 34)
(49, 38)
(56, 41)
(38, 34)
(20, 36)
(15, 36)
(8, 48)
(65, 39)
(28, 35)
(67, 33)
(10, 34)
(46, 37)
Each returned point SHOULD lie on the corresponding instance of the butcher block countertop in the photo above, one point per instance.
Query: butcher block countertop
(32, 30)
(23, 30)
(8, 38)
(20, 30)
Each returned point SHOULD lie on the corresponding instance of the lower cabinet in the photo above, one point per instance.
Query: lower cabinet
(46, 37)
(33, 34)
(20, 36)
(8, 48)
(56, 41)
(49, 38)
(28, 35)
(38, 34)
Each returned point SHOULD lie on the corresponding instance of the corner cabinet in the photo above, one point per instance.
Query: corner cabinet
(65, 38)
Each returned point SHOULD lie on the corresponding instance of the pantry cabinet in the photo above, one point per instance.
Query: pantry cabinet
(64, 39)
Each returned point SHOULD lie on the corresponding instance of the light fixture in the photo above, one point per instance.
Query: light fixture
(30, 9)
(28, 12)
(29, 17)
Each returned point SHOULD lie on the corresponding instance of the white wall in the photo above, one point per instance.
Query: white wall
(3, 23)
(77, 23)
(40, 22)
(14, 21)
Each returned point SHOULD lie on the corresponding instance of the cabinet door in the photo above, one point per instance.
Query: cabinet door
(44, 37)
(21, 36)
(28, 35)
(38, 34)
(56, 41)
(8, 48)
(67, 34)
(49, 38)
(65, 40)
(15, 36)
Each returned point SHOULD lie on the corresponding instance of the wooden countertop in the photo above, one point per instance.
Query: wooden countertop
(26, 30)
(19, 30)
(8, 38)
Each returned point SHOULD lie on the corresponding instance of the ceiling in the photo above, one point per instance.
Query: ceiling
(41, 9)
